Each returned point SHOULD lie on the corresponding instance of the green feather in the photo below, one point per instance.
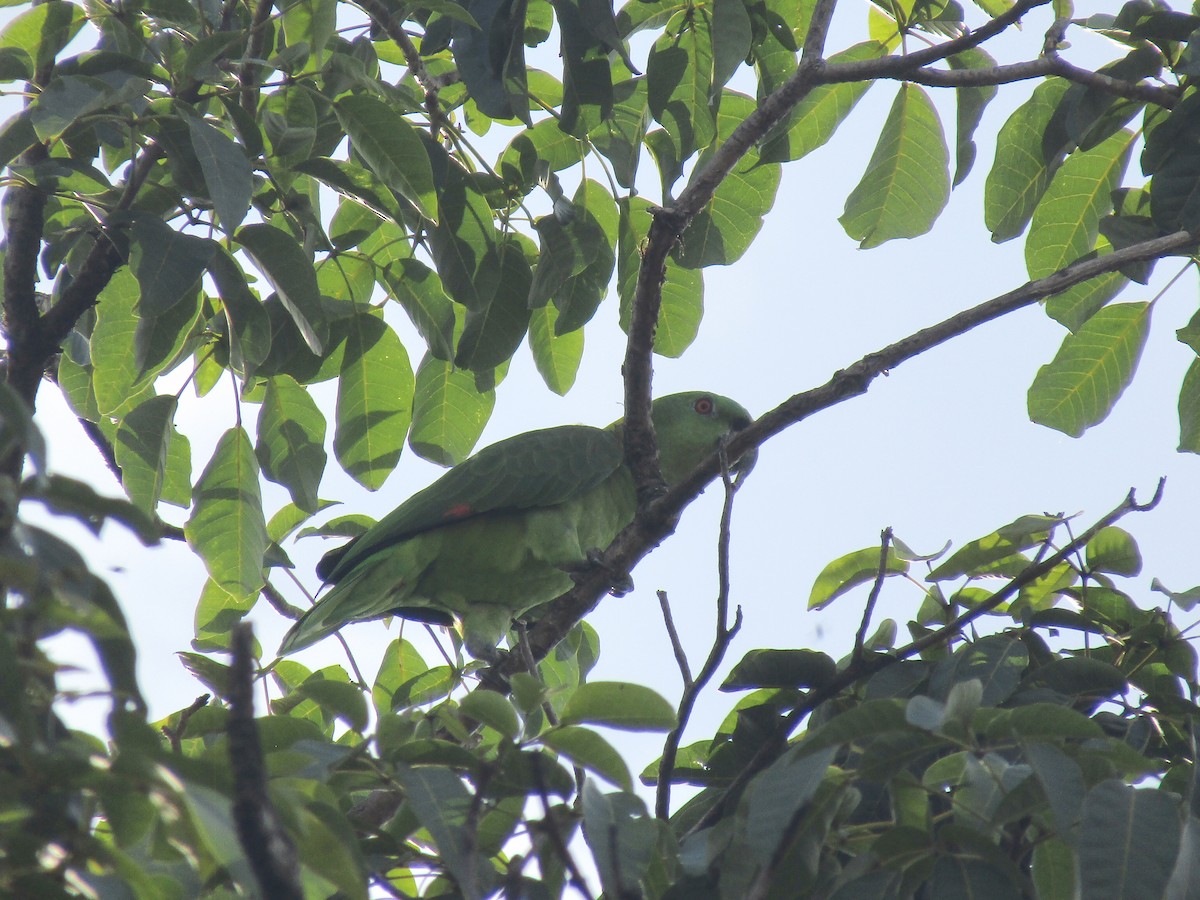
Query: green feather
(499, 534)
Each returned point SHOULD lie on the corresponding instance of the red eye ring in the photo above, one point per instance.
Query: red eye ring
(704, 406)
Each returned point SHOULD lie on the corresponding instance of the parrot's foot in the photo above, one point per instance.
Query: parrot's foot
(619, 583)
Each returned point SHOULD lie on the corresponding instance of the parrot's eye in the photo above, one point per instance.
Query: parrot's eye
(704, 406)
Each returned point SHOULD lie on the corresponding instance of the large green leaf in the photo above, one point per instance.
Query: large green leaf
(630, 707)
(492, 333)
(464, 236)
(375, 401)
(971, 103)
(247, 319)
(1189, 409)
(449, 412)
(391, 148)
(116, 378)
(907, 182)
(1027, 157)
(557, 356)
(1066, 222)
(679, 73)
(1128, 841)
(490, 53)
(418, 289)
(1079, 387)
(226, 172)
(166, 262)
(281, 258)
(39, 34)
(142, 448)
(851, 570)
(291, 441)
(227, 528)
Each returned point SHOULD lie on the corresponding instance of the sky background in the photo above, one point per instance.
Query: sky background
(941, 449)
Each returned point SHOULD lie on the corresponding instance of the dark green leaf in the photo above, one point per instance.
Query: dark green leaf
(780, 669)
(167, 264)
(588, 749)
(285, 264)
(226, 172)
(1127, 841)
(291, 441)
(629, 707)
(391, 148)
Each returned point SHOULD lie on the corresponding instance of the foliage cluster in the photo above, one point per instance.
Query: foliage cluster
(183, 206)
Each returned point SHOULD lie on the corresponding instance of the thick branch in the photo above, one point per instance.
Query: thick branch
(270, 851)
(248, 76)
(394, 29)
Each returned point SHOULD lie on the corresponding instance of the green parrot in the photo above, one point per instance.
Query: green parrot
(503, 531)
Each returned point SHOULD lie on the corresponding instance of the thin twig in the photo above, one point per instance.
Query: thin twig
(716, 654)
(681, 660)
(550, 829)
(885, 544)
(175, 735)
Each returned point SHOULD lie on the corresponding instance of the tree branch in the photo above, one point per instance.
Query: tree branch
(270, 851)
(721, 642)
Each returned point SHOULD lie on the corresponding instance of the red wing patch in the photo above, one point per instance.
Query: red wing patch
(458, 511)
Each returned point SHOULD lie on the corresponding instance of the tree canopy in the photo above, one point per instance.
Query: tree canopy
(394, 199)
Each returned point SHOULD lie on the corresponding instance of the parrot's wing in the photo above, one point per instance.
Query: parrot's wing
(535, 469)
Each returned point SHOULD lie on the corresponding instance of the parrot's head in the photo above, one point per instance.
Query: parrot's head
(690, 425)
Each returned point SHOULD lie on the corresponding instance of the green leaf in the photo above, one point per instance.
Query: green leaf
(1077, 304)
(1189, 410)
(449, 412)
(227, 528)
(586, 748)
(723, 230)
(629, 707)
(595, 228)
(980, 554)
(1054, 875)
(1080, 386)
(907, 182)
(339, 698)
(116, 379)
(291, 441)
(1114, 550)
(418, 290)
(556, 356)
(375, 401)
(1128, 841)
(391, 148)
(1027, 155)
(997, 662)
(849, 571)
(775, 797)
(1067, 219)
(40, 33)
(494, 711)
(247, 318)
(620, 137)
(167, 263)
(817, 117)
(490, 54)
(285, 264)
(217, 613)
(795, 669)
(493, 332)
(679, 83)
(442, 803)
(226, 172)
(142, 444)
(463, 238)
(971, 103)
(622, 838)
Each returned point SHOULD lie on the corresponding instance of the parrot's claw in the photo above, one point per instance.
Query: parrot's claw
(619, 583)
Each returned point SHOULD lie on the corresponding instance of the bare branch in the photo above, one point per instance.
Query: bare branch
(175, 735)
(885, 544)
(681, 660)
(394, 29)
(267, 846)
(716, 655)
(248, 75)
